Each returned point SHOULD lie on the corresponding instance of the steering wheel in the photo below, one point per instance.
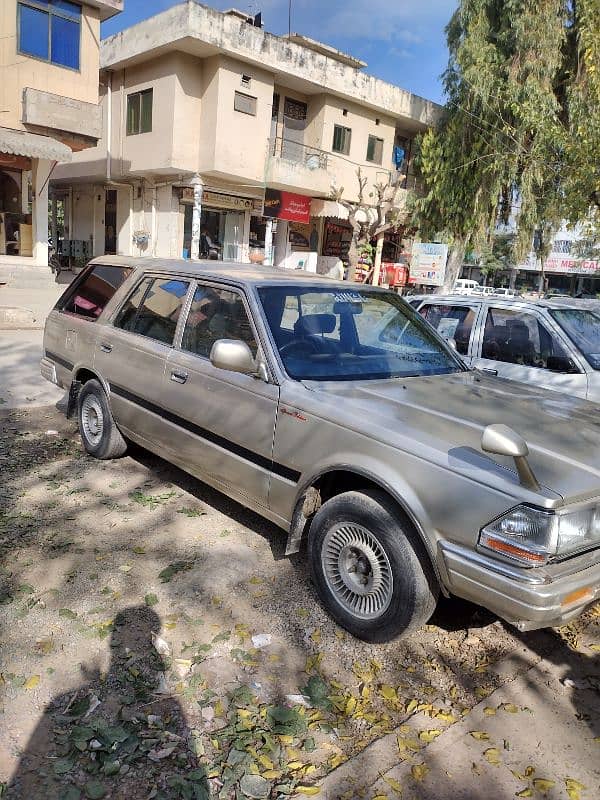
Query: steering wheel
(299, 347)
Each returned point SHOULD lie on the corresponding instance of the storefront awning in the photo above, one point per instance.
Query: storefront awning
(22, 143)
(328, 208)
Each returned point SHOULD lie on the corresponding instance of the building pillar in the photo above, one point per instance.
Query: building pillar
(269, 242)
(196, 216)
(39, 176)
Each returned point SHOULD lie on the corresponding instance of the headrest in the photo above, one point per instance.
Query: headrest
(314, 324)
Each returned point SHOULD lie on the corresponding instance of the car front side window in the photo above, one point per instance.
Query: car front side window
(216, 314)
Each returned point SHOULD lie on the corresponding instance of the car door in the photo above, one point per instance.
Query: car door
(131, 355)
(222, 422)
(455, 321)
(516, 343)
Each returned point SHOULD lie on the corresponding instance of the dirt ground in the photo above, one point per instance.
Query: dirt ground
(156, 643)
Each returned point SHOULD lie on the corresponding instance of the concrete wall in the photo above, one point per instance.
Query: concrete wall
(234, 144)
(21, 71)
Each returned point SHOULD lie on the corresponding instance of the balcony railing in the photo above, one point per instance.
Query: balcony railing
(298, 153)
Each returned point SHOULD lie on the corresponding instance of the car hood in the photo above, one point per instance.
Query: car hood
(445, 416)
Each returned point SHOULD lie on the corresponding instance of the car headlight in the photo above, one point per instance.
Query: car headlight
(532, 536)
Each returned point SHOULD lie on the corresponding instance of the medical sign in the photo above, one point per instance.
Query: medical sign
(428, 263)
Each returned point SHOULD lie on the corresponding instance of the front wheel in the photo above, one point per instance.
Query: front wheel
(99, 433)
(369, 567)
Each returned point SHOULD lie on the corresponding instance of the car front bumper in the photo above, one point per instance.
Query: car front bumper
(527, 598)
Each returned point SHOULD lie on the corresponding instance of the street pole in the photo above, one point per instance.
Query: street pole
(289, 18)
(196, 182)
(269, 242)
(377, 261)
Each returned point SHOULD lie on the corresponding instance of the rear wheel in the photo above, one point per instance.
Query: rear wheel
(99, 433)
(369, 567)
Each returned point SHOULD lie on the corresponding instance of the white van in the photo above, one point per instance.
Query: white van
(464, 286)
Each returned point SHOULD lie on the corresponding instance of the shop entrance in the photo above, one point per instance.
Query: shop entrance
(221, 234)
(15, 209)
(110, 222)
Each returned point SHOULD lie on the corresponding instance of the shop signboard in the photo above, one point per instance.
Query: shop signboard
(288, 206)
(428, 263)
(229, 202)
(562, 265)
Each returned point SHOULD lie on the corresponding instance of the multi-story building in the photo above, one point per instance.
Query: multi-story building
(49, 62)
(205, 110)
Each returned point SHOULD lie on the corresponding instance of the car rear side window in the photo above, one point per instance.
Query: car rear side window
(452, 322)
(91, 294)
(517, 337)
(153, 309)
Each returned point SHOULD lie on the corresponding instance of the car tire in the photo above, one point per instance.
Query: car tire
(99, 433)
(370, 568)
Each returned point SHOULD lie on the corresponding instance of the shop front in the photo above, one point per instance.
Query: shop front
(226, 223)
(16, 238)
(291, 239)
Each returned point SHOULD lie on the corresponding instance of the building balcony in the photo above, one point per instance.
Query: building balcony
(292, 166)
(57, 113)
(107, 8)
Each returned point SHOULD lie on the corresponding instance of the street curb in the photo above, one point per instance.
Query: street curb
(381, 756)
(14, 318)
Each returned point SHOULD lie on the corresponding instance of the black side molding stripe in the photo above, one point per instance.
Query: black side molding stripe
(63, 362)
(209, 436)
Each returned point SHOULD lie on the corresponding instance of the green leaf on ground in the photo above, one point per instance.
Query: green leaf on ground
(151, 600)
(169, 572)
(191, 512)
(66, 612)
(317, 690)
(286, 721)
(95, 790)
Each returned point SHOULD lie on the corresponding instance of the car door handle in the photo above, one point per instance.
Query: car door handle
(106, 348)
(489, 371)
(179, 377)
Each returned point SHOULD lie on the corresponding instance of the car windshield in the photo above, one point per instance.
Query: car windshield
(582, 326)
(352, 334)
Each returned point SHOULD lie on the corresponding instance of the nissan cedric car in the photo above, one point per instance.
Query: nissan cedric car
(336, 411)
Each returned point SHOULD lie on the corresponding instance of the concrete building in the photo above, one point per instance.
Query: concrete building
(49, 62)
(223, 139)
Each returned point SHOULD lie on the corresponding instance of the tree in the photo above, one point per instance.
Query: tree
(520, 136)
(370, 220)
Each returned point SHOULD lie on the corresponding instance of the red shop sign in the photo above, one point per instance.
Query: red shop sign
(286, 205)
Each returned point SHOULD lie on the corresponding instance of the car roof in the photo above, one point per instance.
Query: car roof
(567, 302)
(247, 274)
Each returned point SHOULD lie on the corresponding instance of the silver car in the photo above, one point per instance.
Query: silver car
(337, 412)
(549, 343)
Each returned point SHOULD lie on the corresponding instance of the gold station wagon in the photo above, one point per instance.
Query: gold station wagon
(336, 411)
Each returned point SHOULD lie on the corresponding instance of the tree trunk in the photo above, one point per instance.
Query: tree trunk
(377, 259)
(353, 255)
(456, 257)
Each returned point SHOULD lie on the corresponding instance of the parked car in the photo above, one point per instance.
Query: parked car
(334, 410)
(485, 291)
(464, 286)
(550, 343)
(502, 291)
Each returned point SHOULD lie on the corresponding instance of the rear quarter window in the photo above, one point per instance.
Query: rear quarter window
(90, 294)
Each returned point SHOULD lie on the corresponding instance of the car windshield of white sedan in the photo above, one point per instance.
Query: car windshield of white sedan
(582, 326)
(354, 334)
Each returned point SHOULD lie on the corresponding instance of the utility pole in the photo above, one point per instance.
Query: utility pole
(289, 19)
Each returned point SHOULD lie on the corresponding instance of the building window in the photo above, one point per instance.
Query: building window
(139, 112)
(245, 104)
(246, 80)
(50, 30)
(341, 139)
(375, 150)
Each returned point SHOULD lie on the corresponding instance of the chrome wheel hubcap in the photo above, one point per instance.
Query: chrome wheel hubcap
(92, 419)
(357, 571)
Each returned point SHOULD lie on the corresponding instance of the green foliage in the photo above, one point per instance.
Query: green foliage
(521, 129)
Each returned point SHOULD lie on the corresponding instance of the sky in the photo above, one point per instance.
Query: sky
(402, 41)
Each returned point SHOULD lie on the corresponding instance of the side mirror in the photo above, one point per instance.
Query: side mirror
(561, 364)
(233, 355)
(452, 342)
(504, 441)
